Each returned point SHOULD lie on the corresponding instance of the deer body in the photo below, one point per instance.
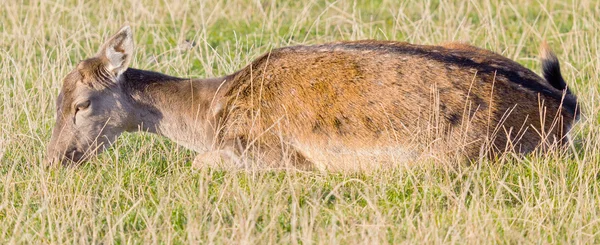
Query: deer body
(331, 106)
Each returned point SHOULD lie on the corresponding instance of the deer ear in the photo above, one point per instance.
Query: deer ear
(118, 51)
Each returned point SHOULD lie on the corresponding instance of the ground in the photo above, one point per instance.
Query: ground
(144, 190)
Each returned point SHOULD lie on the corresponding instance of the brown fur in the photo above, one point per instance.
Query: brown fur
(370, 94)
(349, 103)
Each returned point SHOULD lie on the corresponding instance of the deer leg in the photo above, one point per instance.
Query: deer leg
(279, 156)
(236, 154)
(223, 158)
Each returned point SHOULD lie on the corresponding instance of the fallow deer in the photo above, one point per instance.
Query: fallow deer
(331, 106)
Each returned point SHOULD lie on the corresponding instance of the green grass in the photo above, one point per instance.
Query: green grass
(144, 190)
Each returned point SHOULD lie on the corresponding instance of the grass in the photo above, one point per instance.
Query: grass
(144, 190)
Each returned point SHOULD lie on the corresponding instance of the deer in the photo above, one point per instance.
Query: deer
(340, 105)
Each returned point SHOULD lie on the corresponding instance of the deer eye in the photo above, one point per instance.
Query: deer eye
(82, 106)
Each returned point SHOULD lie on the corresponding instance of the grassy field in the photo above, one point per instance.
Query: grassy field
(144, 190)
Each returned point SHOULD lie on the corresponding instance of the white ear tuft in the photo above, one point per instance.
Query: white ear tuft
(118, 51)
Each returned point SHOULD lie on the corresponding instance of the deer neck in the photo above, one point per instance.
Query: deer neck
(184, 110)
